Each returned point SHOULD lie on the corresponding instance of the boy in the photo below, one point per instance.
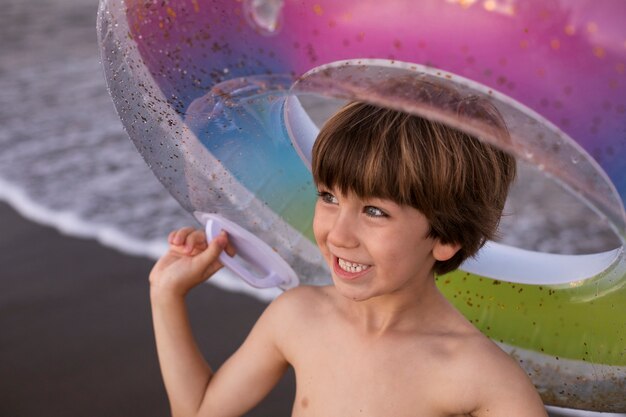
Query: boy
(400, 199)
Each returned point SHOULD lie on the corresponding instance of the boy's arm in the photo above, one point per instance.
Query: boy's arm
(191, 386)
(250, 373)
(185, 372)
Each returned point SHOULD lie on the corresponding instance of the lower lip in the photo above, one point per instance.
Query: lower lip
(349, 276)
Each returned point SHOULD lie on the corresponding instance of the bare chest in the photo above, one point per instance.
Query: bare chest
(400, 378)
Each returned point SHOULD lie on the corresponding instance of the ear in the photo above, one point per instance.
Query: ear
(445, 251)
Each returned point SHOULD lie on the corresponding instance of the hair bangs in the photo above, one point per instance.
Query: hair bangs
(356, 158)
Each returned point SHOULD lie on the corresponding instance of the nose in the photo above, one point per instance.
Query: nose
(343, 233)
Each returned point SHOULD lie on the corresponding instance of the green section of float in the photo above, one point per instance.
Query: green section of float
(582, 322)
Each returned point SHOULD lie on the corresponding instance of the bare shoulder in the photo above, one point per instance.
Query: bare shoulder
(499, 385)
(302, 305)
(295, 314)
(289, 310)
(299, 302)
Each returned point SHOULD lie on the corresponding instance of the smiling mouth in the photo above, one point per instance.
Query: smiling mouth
(351, 267)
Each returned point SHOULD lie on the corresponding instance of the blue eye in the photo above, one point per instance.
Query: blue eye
(327, 197)
(372, 211)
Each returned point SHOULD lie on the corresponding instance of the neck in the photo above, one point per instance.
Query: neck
(416, 308)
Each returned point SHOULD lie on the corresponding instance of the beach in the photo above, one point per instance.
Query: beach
(77, 337)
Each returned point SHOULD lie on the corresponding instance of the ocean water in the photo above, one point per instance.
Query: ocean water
(66, 161)
(63, 147)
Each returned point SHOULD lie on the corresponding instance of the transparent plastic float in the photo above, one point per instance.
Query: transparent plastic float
(213, 94)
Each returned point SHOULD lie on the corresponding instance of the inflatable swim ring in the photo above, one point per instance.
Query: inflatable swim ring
(211, 94)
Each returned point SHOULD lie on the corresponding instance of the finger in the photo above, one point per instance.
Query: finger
(196, 249)
(180, 235)
(179, 250)
(230, 249)
(195, 244)
(196, 241)
(208, 259)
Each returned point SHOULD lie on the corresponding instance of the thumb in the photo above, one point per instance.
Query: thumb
(208, 260)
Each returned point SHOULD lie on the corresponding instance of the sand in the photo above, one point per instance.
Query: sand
(76, 336)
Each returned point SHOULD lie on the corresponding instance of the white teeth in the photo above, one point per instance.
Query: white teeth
(351, 267)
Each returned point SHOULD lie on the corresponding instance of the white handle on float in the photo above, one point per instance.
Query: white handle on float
(255, 262)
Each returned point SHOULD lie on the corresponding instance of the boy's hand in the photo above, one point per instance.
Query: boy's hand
(188, 262)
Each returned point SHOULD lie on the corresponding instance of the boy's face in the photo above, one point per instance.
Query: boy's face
(373, 247)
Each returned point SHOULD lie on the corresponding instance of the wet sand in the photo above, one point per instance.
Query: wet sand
(75, 332)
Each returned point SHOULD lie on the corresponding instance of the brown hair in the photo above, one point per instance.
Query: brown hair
(457, 181)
